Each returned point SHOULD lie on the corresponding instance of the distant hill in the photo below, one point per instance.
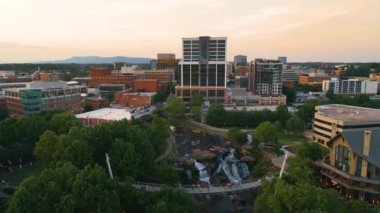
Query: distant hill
(98, 60)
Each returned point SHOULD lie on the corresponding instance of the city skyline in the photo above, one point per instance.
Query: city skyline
(338, 31)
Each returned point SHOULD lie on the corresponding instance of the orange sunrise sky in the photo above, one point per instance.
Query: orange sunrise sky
(307, 30)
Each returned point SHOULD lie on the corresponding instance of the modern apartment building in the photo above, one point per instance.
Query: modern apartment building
(353, 86)
(267, 77)
(333, 119)
(203, 68)
(43, 96)
(353, 165)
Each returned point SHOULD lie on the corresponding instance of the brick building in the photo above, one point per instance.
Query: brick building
(53, 76)
(96, 102)
(165, 75)
(105, 76)
(43, 96)
(133, 100)
(147, 85)
(313, 79)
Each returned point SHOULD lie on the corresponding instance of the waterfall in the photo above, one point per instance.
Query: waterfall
(249, 139)
(243, 169)
(203, 173)
(234, 170)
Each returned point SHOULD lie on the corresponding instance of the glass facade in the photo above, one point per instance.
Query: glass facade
(342, 158)
(373, 172)
(267, 77)
(203, 68)
(358, 171)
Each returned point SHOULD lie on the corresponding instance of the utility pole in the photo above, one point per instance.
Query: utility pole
(109, 165)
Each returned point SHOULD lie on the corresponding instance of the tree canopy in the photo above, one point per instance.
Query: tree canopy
(175, 110)
(266, 132)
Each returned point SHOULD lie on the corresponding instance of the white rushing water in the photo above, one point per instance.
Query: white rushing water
(234, 169)
(203, 173)
(249, 139)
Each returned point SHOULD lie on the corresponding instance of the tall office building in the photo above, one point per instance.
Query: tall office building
(283, 59)
(267, 77)
(240, 60)
(203, 68)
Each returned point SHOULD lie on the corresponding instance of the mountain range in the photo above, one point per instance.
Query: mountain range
(98, 60)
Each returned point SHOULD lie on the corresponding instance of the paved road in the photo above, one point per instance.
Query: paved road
(213, 189)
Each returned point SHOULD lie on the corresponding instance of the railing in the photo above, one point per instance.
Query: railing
(203, 189)
(351, 182)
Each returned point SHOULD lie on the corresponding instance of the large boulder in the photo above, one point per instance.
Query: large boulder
(203, 155)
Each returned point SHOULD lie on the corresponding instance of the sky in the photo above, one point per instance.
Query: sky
(302, 30)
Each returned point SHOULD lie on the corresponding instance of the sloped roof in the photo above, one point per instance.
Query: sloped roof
(355, 139)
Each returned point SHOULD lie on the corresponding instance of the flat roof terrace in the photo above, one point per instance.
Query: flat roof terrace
(350, 114)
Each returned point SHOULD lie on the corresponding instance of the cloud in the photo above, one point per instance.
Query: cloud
(279, 19)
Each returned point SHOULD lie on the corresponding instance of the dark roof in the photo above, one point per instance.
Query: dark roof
(355, 139)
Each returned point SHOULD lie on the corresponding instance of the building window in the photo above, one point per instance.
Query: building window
(373, 172)
(342, 158)
(358, 167)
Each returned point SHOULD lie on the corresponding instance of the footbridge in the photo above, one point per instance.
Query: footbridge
(204, 189)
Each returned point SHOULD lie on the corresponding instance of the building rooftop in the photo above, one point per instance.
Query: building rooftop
(109, 114)
(355, 139)
(350, 114)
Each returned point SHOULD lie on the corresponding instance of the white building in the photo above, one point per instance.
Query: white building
(351, 86)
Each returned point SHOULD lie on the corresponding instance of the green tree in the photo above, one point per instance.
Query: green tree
(62, 122)
(175, 110)
(158, 97)
(266, 132)
(46, 192)
(170, 201)
(282, 114)
(216, 115)
(46, 147)
(124, 159)
(77, 152)
(67, 189)
(196, 112)
(295, 125)
(312, 151)
(93, 191)
(196, 100)
(306, 111)
(165, 173)
(290, 94)
(279, 196)
(160, 131)
(236, 135)
(3, 114)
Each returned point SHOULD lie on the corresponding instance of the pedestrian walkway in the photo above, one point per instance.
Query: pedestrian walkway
(212, 189)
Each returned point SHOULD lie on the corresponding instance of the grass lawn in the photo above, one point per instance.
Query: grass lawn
(286, 139)
(295, 147)
(205, 128)
(18, 175)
